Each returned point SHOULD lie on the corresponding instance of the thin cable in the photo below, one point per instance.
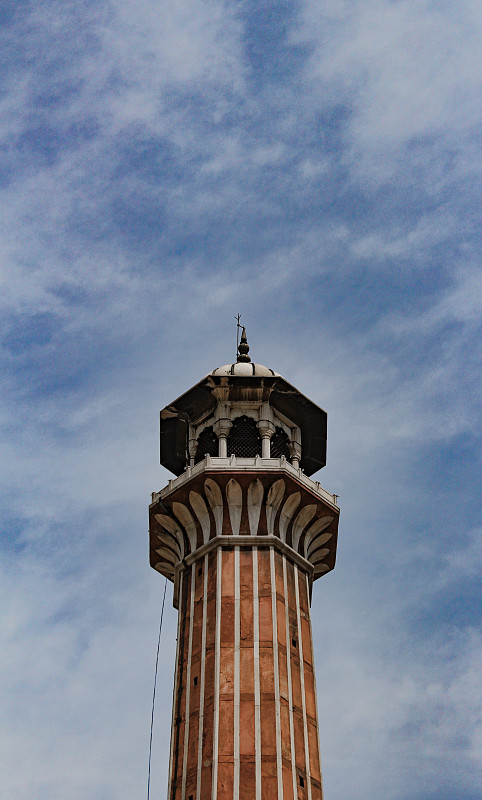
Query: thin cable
(154, 691)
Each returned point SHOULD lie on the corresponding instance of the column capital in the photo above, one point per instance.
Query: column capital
(222, 427)
(266, 428)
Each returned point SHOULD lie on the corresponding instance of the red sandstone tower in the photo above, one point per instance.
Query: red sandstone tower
(243, 532)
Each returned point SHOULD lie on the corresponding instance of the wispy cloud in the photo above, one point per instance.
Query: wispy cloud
(410, 74)
(314, 166)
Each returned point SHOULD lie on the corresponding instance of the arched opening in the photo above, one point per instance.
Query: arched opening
(207, 444)
(280, 444)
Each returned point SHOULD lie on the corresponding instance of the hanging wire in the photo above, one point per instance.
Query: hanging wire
(154, 691)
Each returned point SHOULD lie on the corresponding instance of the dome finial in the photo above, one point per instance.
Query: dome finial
(243, 348)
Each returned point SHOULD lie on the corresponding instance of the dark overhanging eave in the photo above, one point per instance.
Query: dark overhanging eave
(285, 398)
(200, 395)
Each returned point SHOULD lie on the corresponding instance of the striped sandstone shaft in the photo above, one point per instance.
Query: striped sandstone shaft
(245, 699)
(244, 707)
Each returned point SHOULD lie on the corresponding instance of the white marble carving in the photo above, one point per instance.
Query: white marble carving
(303, 518)
(164, 568)
(173, 528)
(215, 500)
(275, 496)
(255, 498)
(319, 555)
(321, 539)
(234, 495)
(284, 511)
(187, 521)
(287, 512)
(320, 569)
(201, 511)
(314, 530)
(167, 555)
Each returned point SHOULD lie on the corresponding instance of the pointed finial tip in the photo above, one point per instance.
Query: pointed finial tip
(243, 348)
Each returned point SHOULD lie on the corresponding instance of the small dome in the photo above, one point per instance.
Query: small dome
(246, 369)
(244, 366)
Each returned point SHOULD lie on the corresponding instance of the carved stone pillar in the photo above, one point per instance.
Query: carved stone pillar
(221, 429)
(266, 429)
(192, 451)
(295, 453)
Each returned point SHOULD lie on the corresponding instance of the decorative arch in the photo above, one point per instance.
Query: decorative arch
(280, 444)
(207, 444)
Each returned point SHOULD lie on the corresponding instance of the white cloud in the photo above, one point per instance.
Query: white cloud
(411, 72)
(258, 217)
(76, 685)
(379, 709)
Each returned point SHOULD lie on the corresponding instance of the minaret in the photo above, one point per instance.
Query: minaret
(243, 532)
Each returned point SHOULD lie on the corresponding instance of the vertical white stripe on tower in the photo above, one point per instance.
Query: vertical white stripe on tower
(257, 695)
(188, 682)
(279, 762)
(176, 681)
(290, 683)
(302, 679)
(314, 686)
(217, 660)
(237, 644)
(203, 675)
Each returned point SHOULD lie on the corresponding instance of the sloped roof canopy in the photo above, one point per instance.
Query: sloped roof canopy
(197, 402)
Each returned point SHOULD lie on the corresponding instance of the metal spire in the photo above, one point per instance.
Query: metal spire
(243, 348)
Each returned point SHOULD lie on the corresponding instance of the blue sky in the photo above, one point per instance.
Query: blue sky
(314, 165)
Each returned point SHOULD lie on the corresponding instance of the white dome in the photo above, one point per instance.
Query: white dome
(246, 369)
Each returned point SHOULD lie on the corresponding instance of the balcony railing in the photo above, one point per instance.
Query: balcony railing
(237, 464)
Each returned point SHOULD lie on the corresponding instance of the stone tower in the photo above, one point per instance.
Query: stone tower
(243, 532)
